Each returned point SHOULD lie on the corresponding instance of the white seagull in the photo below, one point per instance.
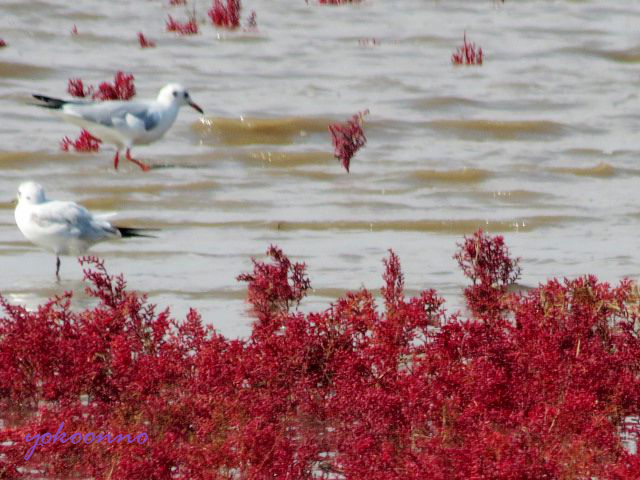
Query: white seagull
(65, 228)
(125, 123)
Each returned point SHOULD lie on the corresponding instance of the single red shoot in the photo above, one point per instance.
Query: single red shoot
(76, 88)
(189, 27)
(145, 42)
(468, 54)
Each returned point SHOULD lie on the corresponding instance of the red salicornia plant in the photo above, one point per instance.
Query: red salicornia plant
(547, 386)
(225, 13)
(190, 27)
(84, 143)
(2, 43)
(468, 54)
(348, 138)
(145, 42)
(74, 30)
(76, 88)
(122, 88)
(177, 2)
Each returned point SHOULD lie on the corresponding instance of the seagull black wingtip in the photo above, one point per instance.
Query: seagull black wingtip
(127, 232)
(49, 102)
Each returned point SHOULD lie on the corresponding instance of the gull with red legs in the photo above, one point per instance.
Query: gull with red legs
(125, 123)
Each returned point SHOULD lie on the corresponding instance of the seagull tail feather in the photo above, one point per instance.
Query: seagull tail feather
(127, 232)
(49, 102)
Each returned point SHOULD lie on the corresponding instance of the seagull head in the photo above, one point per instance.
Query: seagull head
(31, 192)
(176, 94)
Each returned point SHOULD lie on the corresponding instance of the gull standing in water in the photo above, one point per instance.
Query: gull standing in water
(65, 228)
(125, 123)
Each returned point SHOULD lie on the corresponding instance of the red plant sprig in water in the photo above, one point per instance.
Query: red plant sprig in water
(145, 42)
(122, 88)
(468, 54)
(190, 27)
(348, 138)
(76, 88)
(2, 43)
(225, 13)
(175, 3)
(546, 387)
(74, 30)
(84, 143)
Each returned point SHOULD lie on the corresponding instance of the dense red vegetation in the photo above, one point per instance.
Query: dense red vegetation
(122, 88)
(190, 27)
(144, 41)
(84, 143)
(468, 54)
(538, 385)
(348, 138)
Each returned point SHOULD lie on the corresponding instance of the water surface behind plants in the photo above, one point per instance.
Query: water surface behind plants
(540, 143)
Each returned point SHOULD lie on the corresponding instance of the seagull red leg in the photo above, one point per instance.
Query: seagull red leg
(143, 166)
(116, 159)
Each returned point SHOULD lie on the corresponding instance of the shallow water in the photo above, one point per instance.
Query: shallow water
(540, 143)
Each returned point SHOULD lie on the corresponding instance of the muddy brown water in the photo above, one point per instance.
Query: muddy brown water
(540, 143)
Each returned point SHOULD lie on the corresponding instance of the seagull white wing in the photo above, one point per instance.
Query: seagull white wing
(71, 220)
(127, 117)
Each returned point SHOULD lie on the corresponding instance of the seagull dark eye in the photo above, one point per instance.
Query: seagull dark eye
(175, 94)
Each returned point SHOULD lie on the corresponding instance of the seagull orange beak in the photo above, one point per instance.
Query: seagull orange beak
(196, 107)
